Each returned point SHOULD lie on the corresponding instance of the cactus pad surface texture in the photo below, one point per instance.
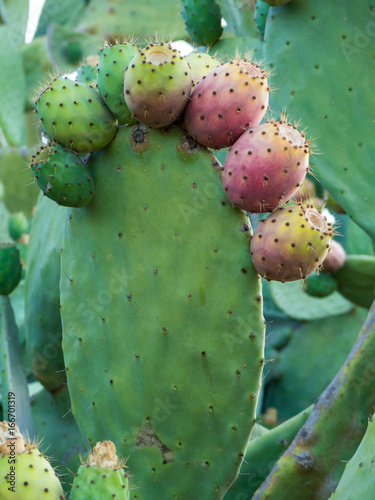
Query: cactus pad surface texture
(162, 316)
(330, 90)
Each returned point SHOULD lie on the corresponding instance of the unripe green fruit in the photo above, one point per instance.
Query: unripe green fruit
(111, 70)
(202, 20)
(75, 115)
(10, 268)
(18, 225)
(62, 176)
(320, 285)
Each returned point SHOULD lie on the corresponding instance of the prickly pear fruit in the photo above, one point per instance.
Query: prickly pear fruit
(62, 176)
(265, 166)
(335, 258)
(87, 72)
(228, 100)
(290, 243)
(10, 268)
(157, 85)
(320, 285)
(24, 472)
(75, 115)
(200, 64)
(111, 68)
(202, 20)
(102, 476)
(18, 225)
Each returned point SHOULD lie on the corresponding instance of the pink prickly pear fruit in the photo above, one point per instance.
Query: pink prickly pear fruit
(265, 167)
(230, 99)
(335, 258)
(290, 243)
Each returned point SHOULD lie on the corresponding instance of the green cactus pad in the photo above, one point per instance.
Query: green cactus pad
(42, 307)
(34, 477)
(75, 115)
(162, 314)
(202, 20)
(356, 279)
(18, 225)
(358, 480)
(294, 301)
(111, 68)
(326, 343)
(330, 91)
(262, 453)
(10, 268)
(102, 476)
(62, 176)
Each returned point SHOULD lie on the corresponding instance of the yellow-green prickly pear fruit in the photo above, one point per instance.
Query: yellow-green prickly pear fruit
(25, 474)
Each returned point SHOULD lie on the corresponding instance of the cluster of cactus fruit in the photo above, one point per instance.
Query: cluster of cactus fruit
(219, 105)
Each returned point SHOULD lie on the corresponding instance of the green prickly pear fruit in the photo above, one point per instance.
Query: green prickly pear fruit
(157, 85)
(265, 166)
(200, 64)
(111, 68)
(260, 17)
(10, 268)
(18, 225)
(102, 476)
(75, 115)
(290, 243)
(24, 472)
(320, 285)
(202, 20)
(62, 176)
(335, 259)
(87, 72)
(228, 100)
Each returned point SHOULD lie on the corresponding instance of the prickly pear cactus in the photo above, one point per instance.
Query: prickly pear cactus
(202, 20)
(162, 315)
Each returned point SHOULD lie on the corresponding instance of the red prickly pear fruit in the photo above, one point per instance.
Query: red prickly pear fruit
(225, 102)
(265, 167)
(157, 85)
(290, 243)
(335, 258)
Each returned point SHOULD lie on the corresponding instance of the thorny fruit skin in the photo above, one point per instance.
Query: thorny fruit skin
(62, 176)
(227, 101)
(290, 243)
(265, 167)
(202, 20)
(200, 64)
(111, 69)
(75, 115)
(157, 85)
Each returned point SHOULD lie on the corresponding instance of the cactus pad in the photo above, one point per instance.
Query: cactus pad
(162, 314)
